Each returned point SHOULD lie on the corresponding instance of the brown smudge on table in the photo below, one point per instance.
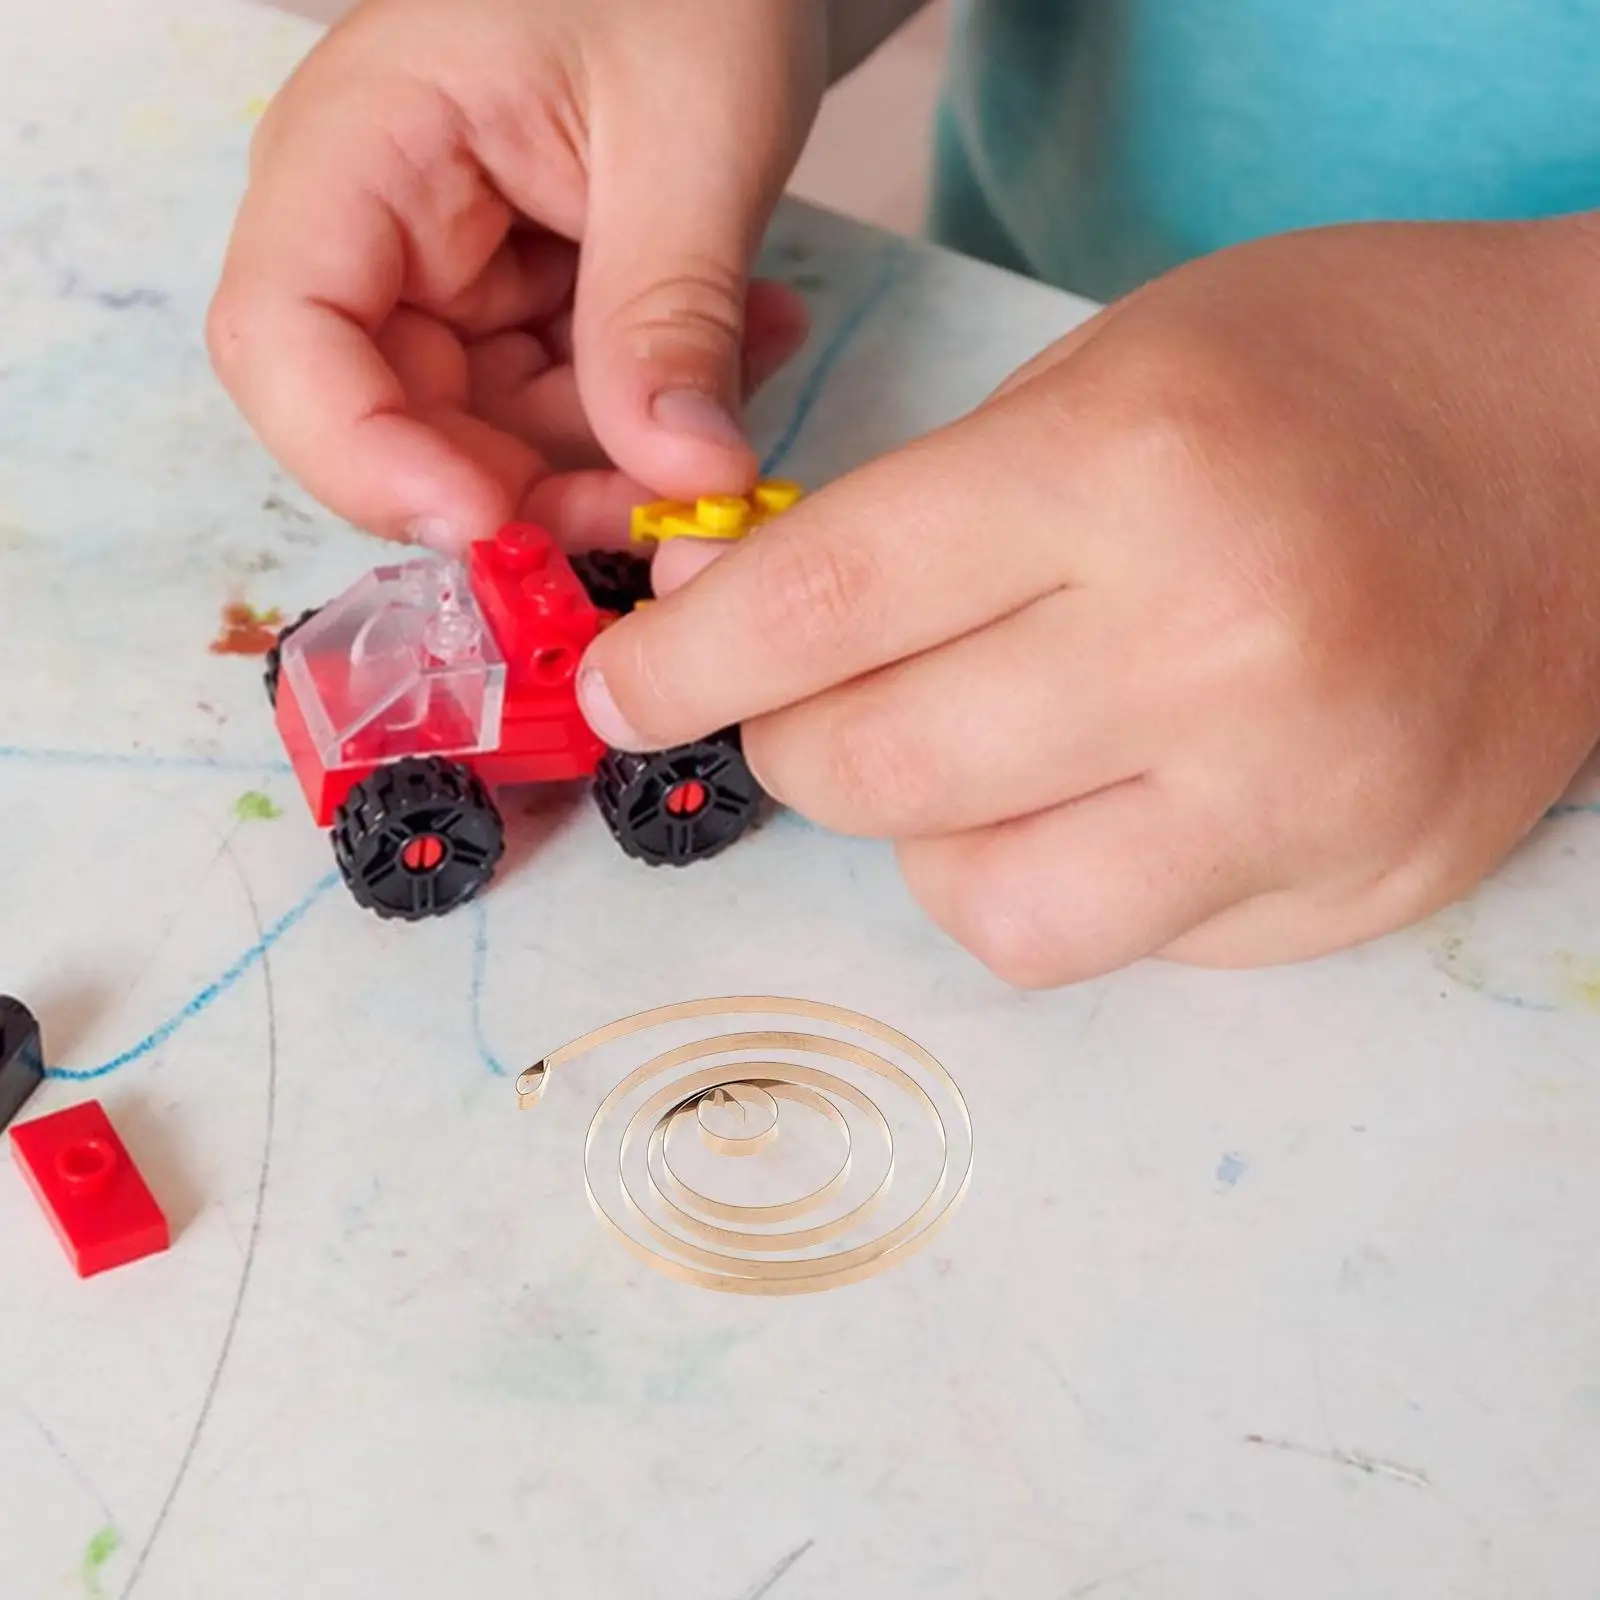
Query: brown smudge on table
(246, 631)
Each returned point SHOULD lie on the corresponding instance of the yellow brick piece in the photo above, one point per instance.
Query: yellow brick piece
(718, 516)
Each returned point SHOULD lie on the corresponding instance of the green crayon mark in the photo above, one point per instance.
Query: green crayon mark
(253, 806)
(96, 1554)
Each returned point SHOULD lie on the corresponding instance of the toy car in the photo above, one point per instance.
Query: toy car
(429, 684)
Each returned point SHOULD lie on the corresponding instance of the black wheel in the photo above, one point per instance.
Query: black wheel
(681, 805)
(617, 580)
(417, 839)
(273, 664)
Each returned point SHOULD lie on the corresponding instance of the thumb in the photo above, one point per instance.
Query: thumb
(677, 206)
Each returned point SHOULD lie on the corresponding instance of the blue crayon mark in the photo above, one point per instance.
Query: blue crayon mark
(72, 287)
(832, 353)
(1231, 1168)
(1503, 997)
(1575, 808)
(127, 299)
(139, 761)
(480, 969)
(206, 998)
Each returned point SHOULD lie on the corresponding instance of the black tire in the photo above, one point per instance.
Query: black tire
(273, 665)
(716, 796)
(616, 580)
(417, 839)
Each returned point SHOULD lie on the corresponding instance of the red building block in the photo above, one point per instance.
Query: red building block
(83, 1176)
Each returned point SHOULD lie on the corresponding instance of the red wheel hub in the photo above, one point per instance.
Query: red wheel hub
(423, 853)
(686, 798)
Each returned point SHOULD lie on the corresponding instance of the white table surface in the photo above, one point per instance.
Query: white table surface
(1273, 1284)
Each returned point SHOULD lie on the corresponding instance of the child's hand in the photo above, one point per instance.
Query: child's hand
(1260, 616)
(396, 317)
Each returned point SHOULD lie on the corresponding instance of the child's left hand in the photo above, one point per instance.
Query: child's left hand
(1256, 618)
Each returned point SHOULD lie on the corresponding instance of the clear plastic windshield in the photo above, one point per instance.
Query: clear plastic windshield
(401, 664)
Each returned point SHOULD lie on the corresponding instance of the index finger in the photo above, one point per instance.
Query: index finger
(317, 262)
(896, 558)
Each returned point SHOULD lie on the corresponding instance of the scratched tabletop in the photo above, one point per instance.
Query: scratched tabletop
(1270, 1284)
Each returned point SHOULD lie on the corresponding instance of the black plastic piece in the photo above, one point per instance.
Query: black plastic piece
(21, 1057)
(272, 667)
(677, 806)
(417, 839)
(616, 580)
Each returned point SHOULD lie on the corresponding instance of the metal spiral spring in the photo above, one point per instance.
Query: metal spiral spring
(733, 1090)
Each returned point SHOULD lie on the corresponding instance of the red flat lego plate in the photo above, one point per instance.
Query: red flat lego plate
(82, 1175)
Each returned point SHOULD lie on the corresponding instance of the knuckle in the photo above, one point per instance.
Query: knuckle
(263, 140)
(816, 596)
(1155, 441)
(1180, 365)
(973, 899)
(1387, 790)
(265, 137)
(1167, 416)
(700, 307)
(1293, 631)
(1273, 636)
(880, 774)
(1028, 925)
(1003, 933)
(225, 333)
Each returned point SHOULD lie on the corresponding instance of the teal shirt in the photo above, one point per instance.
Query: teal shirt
(1097, 143)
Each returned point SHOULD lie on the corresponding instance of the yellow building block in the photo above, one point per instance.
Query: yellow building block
(718, 516)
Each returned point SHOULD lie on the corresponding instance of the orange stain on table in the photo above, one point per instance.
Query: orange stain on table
(246, 631)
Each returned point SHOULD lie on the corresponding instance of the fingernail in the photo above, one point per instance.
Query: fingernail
(700, 416)
(601, 713)
(439, 534)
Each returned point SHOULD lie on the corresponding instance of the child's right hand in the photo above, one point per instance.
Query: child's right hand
(489, 238)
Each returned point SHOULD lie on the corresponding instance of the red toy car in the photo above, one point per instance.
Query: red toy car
(427, 685)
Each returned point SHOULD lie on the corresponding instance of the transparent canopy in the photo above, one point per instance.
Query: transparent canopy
(401, 664)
